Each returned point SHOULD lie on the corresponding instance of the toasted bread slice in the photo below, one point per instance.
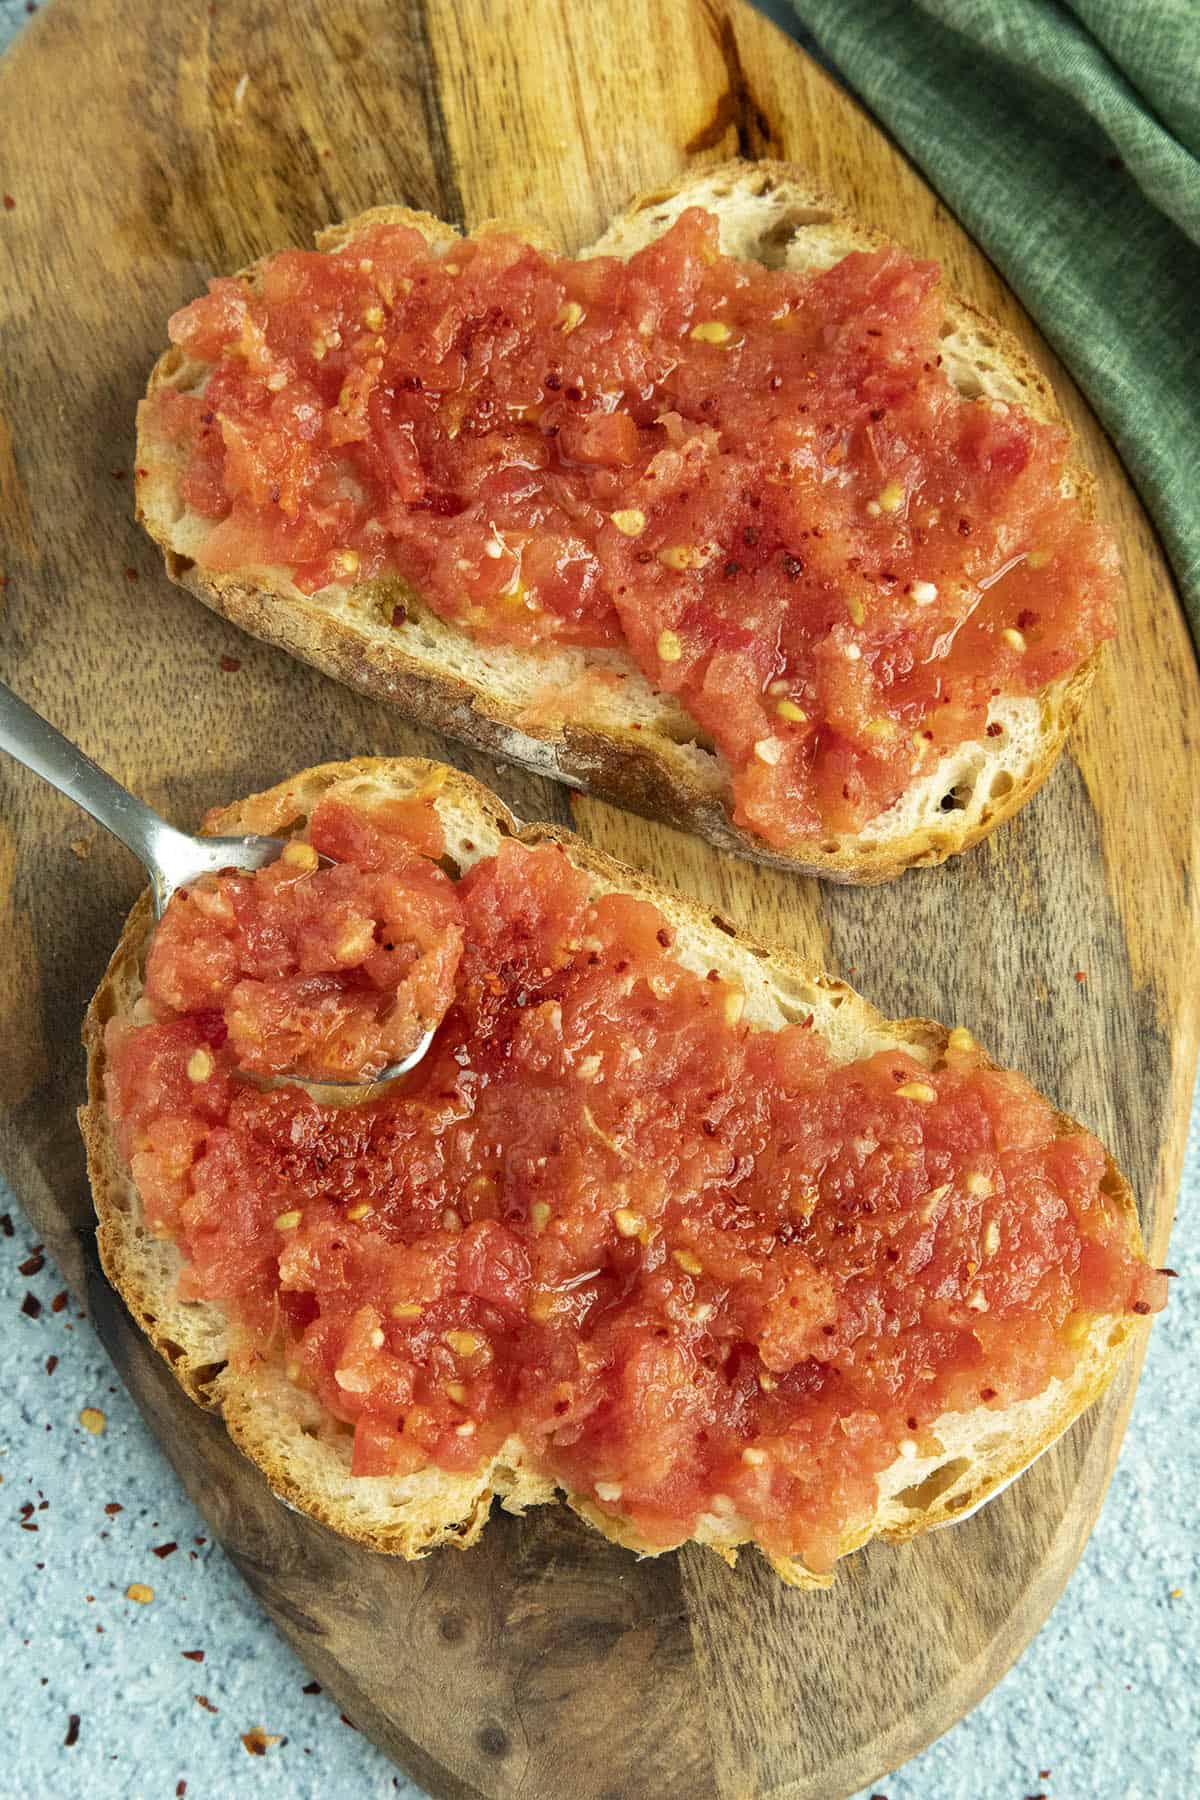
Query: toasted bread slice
(629, 742)
(305, 1453)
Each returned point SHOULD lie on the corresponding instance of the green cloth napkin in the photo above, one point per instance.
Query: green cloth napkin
(1065, 135)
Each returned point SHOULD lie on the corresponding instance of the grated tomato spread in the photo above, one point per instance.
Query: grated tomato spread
(699, 1268)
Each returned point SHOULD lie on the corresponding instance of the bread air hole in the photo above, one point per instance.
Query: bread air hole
(682, 731)
(967, 384)
(1002, 784)
(774, 243)
(921, 1496)
(958, 798)
(800, 1000)
(980, 339)
(449, 866)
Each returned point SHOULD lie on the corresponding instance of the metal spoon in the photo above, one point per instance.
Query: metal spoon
(171, 858)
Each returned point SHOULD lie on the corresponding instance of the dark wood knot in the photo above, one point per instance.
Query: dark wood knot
(493, 1741)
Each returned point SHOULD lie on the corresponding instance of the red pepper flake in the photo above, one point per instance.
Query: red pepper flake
(51, 1364)
(1081, 974)
(113, 1507)
(34, 1263)
(72, 1736)
(199, 1540)
(311, 1687)
(204, 1701)
(117, 474)
(399, 616)
(59, 1301)
(180, 1789)
(258, 1741)
(31, 1306)
(1142, 1307)
(346, 1721)
(131, 574)
(164, 1550)
(9, 203)
(26, 1509)
(6, 1224)
(230, 665)
(29, 1527)
(193, 1655)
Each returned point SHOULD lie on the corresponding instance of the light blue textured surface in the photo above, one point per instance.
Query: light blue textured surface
(1104, 1702)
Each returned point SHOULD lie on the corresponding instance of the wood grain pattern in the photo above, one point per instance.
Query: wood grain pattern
(177, 143)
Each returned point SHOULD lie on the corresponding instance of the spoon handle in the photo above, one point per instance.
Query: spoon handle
(36, 743)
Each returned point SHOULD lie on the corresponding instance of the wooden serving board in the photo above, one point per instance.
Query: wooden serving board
(146, 148)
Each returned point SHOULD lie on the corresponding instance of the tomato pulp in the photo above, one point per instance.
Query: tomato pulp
(330, 972)
(697, 1267)
(761, 484)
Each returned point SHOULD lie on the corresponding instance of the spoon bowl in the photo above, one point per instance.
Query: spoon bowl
(170, 858)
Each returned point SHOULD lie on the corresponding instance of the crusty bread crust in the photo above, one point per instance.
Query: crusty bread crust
(305, 1454)
(641, 750)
